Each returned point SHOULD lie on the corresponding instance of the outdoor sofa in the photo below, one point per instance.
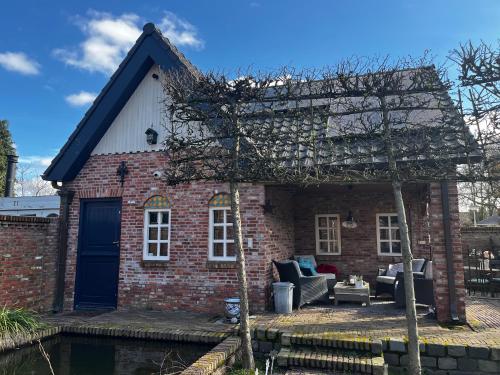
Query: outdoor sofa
(307, 288)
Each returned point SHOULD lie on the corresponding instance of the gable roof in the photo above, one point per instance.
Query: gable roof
(150, 48)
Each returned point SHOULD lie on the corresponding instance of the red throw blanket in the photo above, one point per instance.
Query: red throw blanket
(327, 268)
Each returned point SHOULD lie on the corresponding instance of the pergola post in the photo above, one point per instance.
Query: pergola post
(448, 268)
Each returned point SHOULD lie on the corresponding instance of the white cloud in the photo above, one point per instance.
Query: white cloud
(180, 32)
(109, 38)
(81, 99)
(19, 62)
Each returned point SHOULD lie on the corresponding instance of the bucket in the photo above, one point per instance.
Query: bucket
(283, 297)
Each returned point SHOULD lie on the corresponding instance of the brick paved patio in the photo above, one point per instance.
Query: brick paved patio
(380, 320)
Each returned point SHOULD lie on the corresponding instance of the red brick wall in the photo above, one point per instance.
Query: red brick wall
(188, 281)
(479, 238)
(440, 274)
(280, 230)
(28, 253)
(359, 246)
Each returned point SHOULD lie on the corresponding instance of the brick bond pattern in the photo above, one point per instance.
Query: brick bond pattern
(190, 282)
(28, 250)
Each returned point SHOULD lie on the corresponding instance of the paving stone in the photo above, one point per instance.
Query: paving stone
(397, 346)
(457, 351)
(392, 359)
(447, 363)
(428, 361)
(467, 364)
(479, 352)
(495, 353)
(404, 360)
(436, 350)
(376, 346)
(265, 346)
(488, 366)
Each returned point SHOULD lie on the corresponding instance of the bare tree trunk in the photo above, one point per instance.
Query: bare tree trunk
(246, 341)
(411, 311)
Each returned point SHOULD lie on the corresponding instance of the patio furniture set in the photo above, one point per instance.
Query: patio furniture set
(482, 270)
(311, 286)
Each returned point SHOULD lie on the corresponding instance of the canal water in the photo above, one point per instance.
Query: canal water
(83, 355)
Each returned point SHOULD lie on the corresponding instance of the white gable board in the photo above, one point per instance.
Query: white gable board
(144, 109)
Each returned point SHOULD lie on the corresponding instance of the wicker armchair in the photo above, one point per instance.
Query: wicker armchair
(422, 284)
(385, 282)
(307, 288)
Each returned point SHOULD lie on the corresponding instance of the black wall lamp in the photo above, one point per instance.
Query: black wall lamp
(151, 136)
(122, 171)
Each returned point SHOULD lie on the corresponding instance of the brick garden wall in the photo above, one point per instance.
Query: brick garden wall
(188, 281)
(479, 238)
(28, 256)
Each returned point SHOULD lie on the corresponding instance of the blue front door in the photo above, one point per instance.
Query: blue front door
(98, 258)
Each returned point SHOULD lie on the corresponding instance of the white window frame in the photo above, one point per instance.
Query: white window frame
(147, 240)
(337, 232)
(224, 241)
(390, 240)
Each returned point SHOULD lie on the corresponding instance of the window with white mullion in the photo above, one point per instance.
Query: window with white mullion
(388, 239)
(157, 234)
(221, 234)
(328, 234)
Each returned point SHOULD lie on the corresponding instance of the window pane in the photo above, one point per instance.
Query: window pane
(152, 249)
(323, 234)
(218, 249)
(395, 234)
(384, 234)
(164, 234)
(230, 250)
(165, 218)
(229, 216)
(394, 220)
(383, 221)
(331, 221)
(323, 246)
(218, 216)
(333, 247)
(164, 249)
(331, 234)
(153, 217)
(322, 222)
(396, 247)
(218, 233)
(153, 234)
(384, 248)
(229, 232)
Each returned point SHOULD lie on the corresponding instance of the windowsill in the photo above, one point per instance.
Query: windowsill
(390, 255)
(154, 262)
(221, 264)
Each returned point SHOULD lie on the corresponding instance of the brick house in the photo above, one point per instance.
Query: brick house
(129, 240)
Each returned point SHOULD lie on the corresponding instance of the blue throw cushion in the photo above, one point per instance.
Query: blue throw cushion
(307, 265)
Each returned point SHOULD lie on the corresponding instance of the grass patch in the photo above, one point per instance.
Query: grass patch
(18, 321)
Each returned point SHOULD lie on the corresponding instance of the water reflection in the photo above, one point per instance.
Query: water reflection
(79, 355)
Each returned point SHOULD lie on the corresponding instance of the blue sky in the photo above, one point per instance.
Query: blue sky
(56, 55)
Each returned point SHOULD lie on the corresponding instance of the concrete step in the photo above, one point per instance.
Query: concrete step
(334, 360)
(332, 340)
